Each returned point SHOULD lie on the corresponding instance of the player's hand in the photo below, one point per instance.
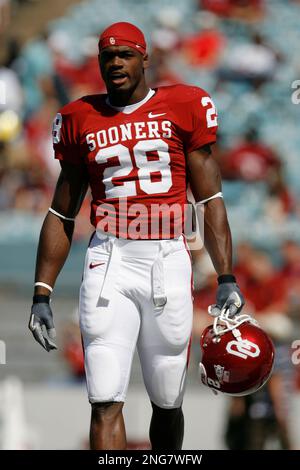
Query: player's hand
(41, 325)
(228, 297)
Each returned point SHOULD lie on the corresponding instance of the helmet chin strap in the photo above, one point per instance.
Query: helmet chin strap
(223, 323)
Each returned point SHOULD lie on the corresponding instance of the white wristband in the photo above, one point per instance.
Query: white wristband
(209, 198)
(60, 215)
(43, 284)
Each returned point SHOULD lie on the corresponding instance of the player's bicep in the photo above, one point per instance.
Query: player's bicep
(204, 173)
(70, 189)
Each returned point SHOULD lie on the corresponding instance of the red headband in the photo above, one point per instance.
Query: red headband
(123, 34)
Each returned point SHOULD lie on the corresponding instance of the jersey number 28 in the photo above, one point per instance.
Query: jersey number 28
(145, 168)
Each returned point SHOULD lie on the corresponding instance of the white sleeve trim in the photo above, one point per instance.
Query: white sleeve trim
(60, 215)
(220, 194)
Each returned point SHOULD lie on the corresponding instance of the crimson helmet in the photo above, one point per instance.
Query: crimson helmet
(238, 355)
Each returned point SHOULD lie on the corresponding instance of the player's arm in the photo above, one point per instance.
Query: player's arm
(205, 181)
(54, 246)
(57, 231)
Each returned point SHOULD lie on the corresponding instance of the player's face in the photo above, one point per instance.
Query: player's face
(122, 67)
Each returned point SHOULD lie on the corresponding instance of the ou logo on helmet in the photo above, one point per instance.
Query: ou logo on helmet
(243, 348)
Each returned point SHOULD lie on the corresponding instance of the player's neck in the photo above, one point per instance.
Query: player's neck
(122, 98)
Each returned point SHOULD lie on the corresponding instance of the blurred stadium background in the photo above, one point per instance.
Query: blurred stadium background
(245, 54)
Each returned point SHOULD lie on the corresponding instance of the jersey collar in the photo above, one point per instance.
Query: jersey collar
(131, 107)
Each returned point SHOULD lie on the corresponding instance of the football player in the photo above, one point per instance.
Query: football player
(135, 147)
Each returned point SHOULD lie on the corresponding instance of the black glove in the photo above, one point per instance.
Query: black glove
(41, 322)
(228, 296)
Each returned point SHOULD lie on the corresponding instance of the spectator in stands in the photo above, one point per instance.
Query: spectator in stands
(290, 273)
(160, 72)
(39, 79)
(243, 254)
(72, 347)
(39, 139)
(12, 97)
(291, 259)
(205, 47)
(253, 62)
(265, 291)
(251, 160)
(243, 10)
(5, 14)
(167, 32)
(75, 77)
(166, 41)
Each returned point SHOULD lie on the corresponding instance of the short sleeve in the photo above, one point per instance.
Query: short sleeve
(203, 122)
(65, 137)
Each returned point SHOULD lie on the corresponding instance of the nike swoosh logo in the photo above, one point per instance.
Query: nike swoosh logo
(155, 115)
(94, 265)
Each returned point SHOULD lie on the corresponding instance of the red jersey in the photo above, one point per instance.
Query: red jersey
(137, 162)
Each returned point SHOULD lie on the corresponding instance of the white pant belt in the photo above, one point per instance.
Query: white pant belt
(120, 248)
(111, 273)
(158, 282)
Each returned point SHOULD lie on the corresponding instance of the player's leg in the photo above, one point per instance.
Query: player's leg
(107, 429)
(166, 428)
(163, 348)
(109, 330)
(108, 359)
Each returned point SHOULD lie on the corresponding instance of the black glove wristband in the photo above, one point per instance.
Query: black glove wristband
(226, 278)
(41, 299)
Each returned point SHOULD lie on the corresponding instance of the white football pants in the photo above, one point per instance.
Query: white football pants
(136, 293)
